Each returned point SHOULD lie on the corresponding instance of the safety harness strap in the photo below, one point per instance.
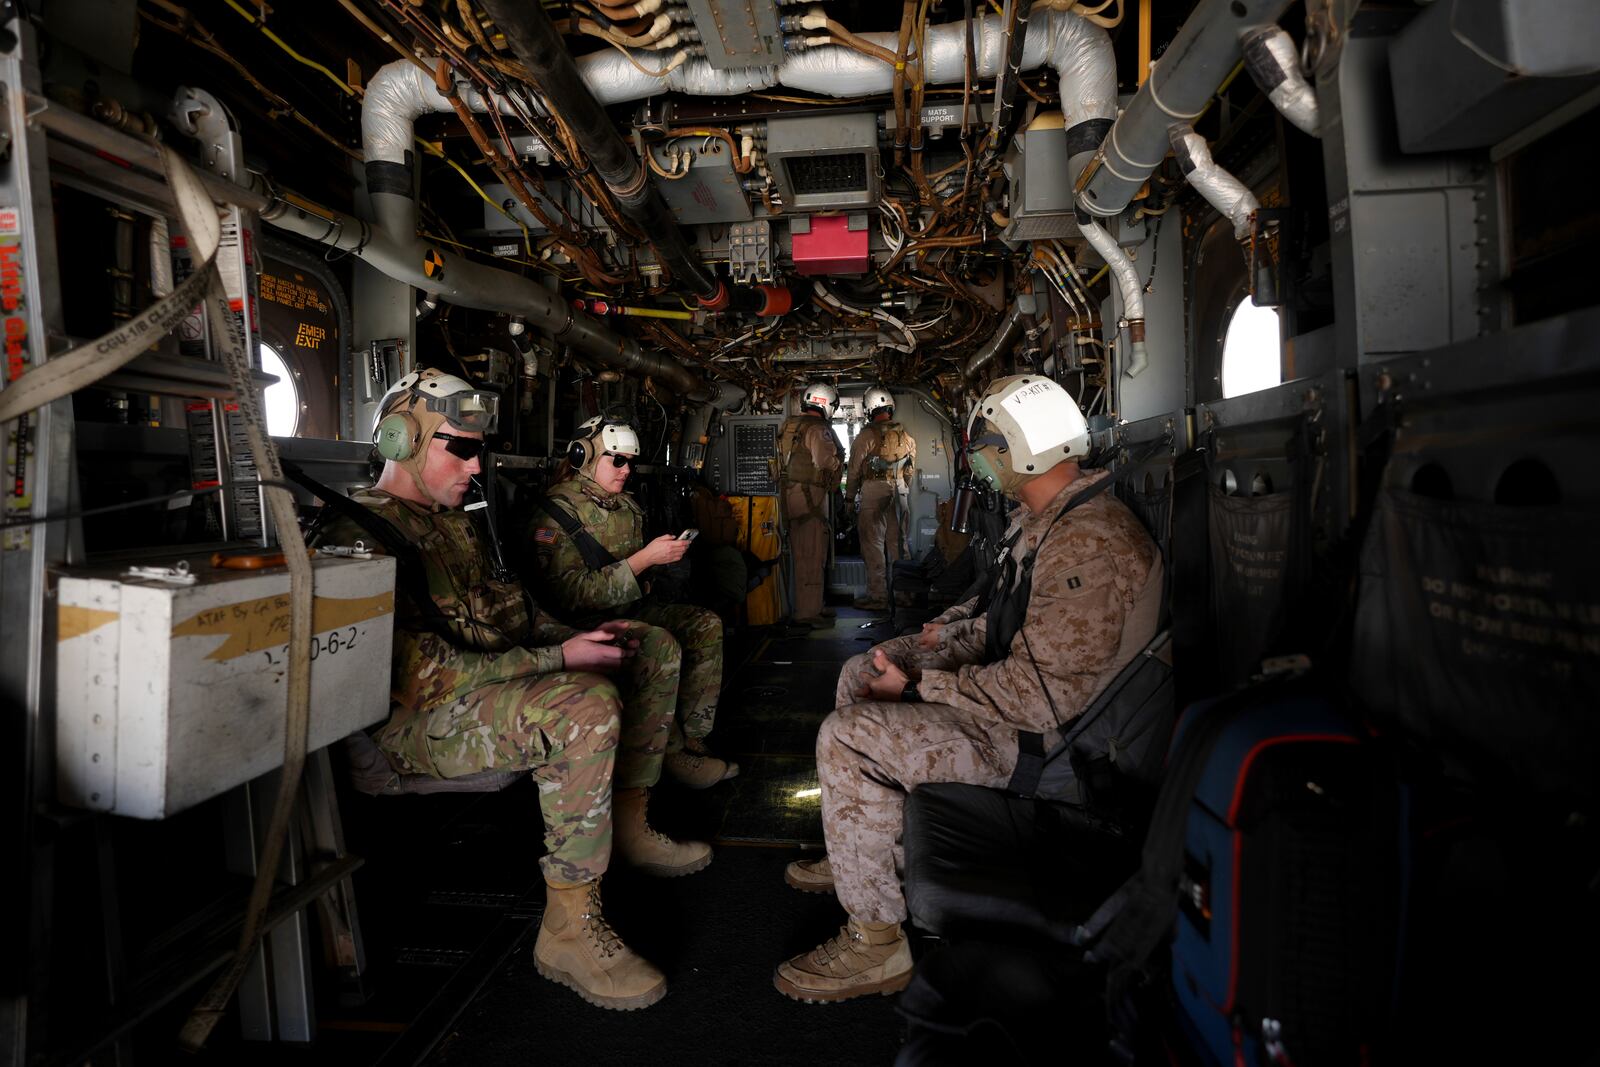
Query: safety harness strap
(595, 556)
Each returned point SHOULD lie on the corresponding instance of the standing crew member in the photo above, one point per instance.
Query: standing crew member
(483, 680)
(588, 538)
(881, 458)
(809, 459)
(1078, 597)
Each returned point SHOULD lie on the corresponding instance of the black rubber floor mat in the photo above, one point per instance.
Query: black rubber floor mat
(775, 801)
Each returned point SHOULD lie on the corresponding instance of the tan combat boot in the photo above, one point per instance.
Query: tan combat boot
(861, 958)
(578, 948)
(696, 768)
(810, 876)
(650, 850)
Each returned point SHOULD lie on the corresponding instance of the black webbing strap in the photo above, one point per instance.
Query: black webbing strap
(1013, 601)
(594, 554)
(1030, 763)
(410, 571)
(1025, 779)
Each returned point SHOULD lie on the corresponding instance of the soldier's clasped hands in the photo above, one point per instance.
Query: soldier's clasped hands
(887, 684)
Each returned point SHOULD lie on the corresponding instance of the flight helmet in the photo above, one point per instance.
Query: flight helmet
(822, 396)
(878, 399)
(600, 437)
(1022, 427)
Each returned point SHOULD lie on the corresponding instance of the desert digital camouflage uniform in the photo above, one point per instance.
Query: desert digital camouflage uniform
(809, 459)
(614, 592)
(1095, 603)
(881, 458)
(492, 695)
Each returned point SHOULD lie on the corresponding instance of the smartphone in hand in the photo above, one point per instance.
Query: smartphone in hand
(689, 535)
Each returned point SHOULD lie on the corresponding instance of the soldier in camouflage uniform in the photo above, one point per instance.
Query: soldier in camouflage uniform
(881, 458)
(947, 705)
(591, 587)
(809, 459)
(484, 680)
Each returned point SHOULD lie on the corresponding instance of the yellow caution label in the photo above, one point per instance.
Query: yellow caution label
(73, 621)
(263, 623)
(433, 264)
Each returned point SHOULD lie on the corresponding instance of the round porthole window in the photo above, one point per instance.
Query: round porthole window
(282, 398)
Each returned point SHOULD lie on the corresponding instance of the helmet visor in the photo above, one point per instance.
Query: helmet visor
(472, 411)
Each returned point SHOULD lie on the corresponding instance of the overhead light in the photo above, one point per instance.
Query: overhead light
(802, 794)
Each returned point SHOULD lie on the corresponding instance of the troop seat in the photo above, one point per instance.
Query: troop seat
(978, 859)
(372, 774)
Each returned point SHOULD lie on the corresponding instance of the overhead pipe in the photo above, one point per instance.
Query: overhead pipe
(1004, 336)
(1177, 90)
(1230, 196)
(538, 46)
(404, 257)
(1132, 293)
(1274, 65)
(1079, 52)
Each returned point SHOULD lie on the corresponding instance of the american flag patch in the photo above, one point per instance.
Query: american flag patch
(544, 536)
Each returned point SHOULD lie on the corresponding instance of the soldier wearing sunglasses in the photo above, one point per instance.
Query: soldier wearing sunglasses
(593, 563)
(485, 680)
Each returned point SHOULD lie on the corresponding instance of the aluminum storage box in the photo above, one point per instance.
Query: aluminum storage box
(167, 695)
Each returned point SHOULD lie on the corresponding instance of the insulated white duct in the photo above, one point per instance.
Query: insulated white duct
(1222, 190)
(1078, 51)
(1274, 65)
(1132, 293)
(396, 96)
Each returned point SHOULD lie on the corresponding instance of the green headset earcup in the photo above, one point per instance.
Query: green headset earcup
(394, 437)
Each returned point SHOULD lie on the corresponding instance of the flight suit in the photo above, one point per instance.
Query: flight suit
(1096, 599)
(809, 460)
(489, 692)
(881, 458)
(589, 597)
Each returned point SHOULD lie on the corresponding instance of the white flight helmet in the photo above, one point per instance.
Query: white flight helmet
(820, 395)
(877, 399)
(420, 406)
(599, 437)
(1022, 427)
(431, 397)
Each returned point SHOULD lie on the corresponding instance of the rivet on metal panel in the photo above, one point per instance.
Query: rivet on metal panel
(94, 757)
(94, 797)
(97, 719)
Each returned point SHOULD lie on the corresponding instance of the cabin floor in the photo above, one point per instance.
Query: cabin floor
(450, 900)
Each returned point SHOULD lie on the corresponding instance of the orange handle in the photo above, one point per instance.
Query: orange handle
(251, 560)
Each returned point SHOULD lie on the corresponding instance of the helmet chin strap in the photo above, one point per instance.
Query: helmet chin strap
(431, 422)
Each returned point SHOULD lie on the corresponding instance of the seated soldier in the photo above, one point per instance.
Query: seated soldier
(1077, 598)
(483, 680)
(588, 538)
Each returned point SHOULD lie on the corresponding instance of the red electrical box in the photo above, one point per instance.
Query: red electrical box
(830, 247)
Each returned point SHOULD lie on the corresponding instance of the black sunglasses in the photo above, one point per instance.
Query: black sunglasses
(617, 460)
(463, 448)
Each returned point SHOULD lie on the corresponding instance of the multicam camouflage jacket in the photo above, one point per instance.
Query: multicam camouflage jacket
(488, 633)
(616, 521)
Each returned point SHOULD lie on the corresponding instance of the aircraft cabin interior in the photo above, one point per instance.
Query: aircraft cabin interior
(799, 532)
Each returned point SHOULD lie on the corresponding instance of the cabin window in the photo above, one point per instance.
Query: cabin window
(282, 398)
(1252, 350)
